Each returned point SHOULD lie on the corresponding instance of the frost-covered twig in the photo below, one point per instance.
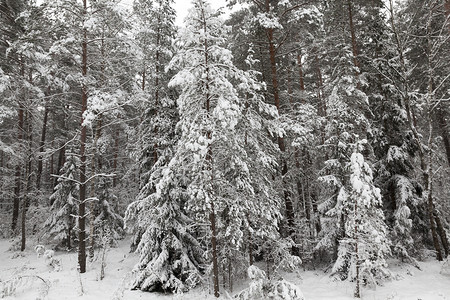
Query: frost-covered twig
(9, 287)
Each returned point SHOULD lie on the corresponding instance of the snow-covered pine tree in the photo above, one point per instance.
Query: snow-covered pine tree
(154, 37)
(346, 109)
(59, 225)
(213, 144)
(363, 250)
(156, 132)
(108, 218)
(209, 179)
(171, 258)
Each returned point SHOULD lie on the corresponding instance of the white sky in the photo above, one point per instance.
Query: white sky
(182, 7)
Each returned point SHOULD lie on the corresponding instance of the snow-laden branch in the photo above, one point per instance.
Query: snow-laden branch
(87, 180)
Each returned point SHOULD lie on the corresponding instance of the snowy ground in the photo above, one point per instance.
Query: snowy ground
(412, 284)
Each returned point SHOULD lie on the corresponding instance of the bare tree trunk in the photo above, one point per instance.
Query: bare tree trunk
(116, 155)
(447, 12)
(209, 158)
(250, 247)
(357, 293)
(61, 161)
(434, 235)
(284, 167)
(18, 173)
(322, 107)
(82, 205)
(92, 189)
(354, 44)
(41, 149)
(212, 220)
(300, 75)
(290, 89)
(442, 233)
(25, 203)
(428, 161)
(51, 163)
(443, 126)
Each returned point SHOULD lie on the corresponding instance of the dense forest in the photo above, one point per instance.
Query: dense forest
(289, 134)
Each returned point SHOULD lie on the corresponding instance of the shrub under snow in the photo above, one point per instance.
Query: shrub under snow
(261, 288)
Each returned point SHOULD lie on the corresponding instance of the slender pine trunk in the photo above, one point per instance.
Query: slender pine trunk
(82, 204)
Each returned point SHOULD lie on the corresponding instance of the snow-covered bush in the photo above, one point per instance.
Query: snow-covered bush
(261, 288)
(40, 249)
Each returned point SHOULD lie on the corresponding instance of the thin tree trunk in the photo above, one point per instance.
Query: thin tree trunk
(301, 77)
(230, 274)
(428, 168)
(23, 223)
(281, 143)
(250, 248)
(18, 173)
(443, 126)
(357, 293)
(290, 89)
(41, 148)
(442, 233)
(116, 155)
(447, 12)
(28, 176)
(212, 220)
(209, 158)
(354, 44)
(51, 164)
(157, 87)
(143, 79)
(82, 205)
(92, 189)
(322, 107)
(69, 234)
(357, 287)
(61, 161)
(434, 234)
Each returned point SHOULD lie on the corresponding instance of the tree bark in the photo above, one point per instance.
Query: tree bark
(51, 163)
(443, 126)
(430, 207)
(25, 203)
(427, 163)
(61, 161)
(281, 143)
(82, 205)
(212, 220)
(92, 189)
(116, 155)
(209, 158)
(354, 44)
(357, 293)
(18, 173)
(41, 149)
(442, 233)
(301, 77)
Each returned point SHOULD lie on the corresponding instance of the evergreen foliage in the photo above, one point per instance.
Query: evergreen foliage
(59, 227)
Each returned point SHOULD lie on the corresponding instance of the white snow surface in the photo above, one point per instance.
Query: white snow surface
(411, 283)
